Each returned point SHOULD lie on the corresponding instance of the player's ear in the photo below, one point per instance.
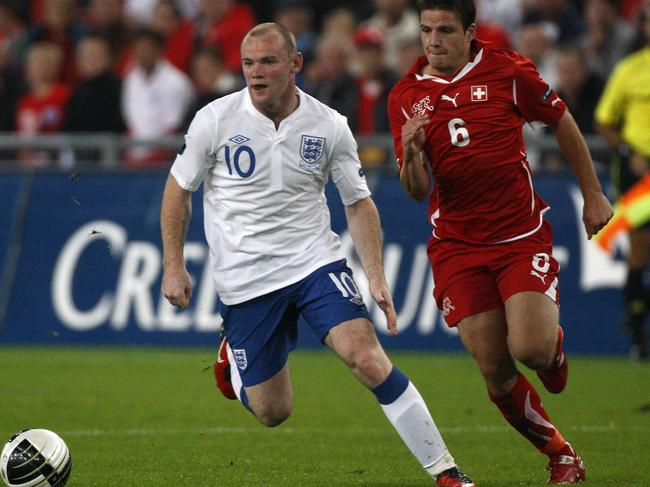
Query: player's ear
(296, 62)
(471, 32)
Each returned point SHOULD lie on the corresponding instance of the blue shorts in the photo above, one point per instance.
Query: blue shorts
(262, 331)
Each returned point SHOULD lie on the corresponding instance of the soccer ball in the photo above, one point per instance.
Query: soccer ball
(35, 458)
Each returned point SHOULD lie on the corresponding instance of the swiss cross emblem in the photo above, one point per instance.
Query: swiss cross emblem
(479, 93)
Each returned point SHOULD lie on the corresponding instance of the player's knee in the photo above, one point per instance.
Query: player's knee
(367, 362)
(274, 415)
(498, 377)
(534, 356)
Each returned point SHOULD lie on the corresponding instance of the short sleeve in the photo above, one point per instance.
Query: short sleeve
(534, 98)
(345, 167)
(397, 119)
(193, 158)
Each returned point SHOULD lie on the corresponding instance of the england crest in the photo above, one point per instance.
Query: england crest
(240, 358)
(311, 150)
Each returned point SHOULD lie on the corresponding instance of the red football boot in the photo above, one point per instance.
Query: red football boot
(454, 477)
(222, 371)
(555, 376)
(566, 469)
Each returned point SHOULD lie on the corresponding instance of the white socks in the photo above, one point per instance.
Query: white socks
(412, 420)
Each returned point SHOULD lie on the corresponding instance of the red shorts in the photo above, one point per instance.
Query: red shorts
(470, 278)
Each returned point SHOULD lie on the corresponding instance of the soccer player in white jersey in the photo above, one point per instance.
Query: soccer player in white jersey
(264, 155)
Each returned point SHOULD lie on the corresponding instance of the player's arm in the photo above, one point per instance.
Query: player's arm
(597, 210)
(414, 175)
(175, 216)
(363, 224)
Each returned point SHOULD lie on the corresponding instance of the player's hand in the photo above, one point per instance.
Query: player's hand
(596, 212)
(177, 287)
(413, 136)
(384, 300)
(638, 164)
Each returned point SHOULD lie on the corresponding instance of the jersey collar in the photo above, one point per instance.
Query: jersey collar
(421, 62)
(249, 107)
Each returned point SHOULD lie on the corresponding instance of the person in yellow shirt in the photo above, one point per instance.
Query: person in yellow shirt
(623, 118)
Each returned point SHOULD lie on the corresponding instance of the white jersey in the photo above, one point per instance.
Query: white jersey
(266, 217)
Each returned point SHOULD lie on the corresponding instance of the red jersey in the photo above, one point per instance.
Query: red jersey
(227, 33)
(35, 114)
(483, 191)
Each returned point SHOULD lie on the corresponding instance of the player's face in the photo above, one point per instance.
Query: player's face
(446, 44)
(269, 71)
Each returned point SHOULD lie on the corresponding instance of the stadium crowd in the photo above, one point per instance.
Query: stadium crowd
(143, 67)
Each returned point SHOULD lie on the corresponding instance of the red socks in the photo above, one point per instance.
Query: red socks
(522, 408)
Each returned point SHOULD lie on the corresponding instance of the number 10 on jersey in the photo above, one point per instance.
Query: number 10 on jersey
(242, 161)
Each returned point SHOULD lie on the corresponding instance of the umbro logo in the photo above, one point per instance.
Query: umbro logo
(239, 139)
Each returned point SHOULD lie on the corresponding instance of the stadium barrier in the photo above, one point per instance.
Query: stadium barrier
(81, 264)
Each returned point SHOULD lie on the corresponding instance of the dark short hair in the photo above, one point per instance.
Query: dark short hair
(149, 34)
(464, 9)
(212, 53)
(263, 29)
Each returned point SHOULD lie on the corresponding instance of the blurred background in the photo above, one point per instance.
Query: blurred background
(95, 96)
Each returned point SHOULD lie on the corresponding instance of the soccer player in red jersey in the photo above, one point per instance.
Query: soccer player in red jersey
(456, 118)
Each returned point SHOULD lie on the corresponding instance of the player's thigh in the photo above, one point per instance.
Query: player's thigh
(272, 397)
(261, 333)
(332, 306)
(356, 343)
(328, 297)
(527, 265)
(533, 320)
(485, 336)
(464, 286)
(528, 282)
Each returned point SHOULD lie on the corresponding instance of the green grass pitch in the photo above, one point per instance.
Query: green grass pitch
(142, 417)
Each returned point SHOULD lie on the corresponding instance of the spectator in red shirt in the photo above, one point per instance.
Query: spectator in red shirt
(373, 82)
(106, 19)
(59, 27)
(630, 9)
(168, 20)
(222, 24)
(42, 108)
